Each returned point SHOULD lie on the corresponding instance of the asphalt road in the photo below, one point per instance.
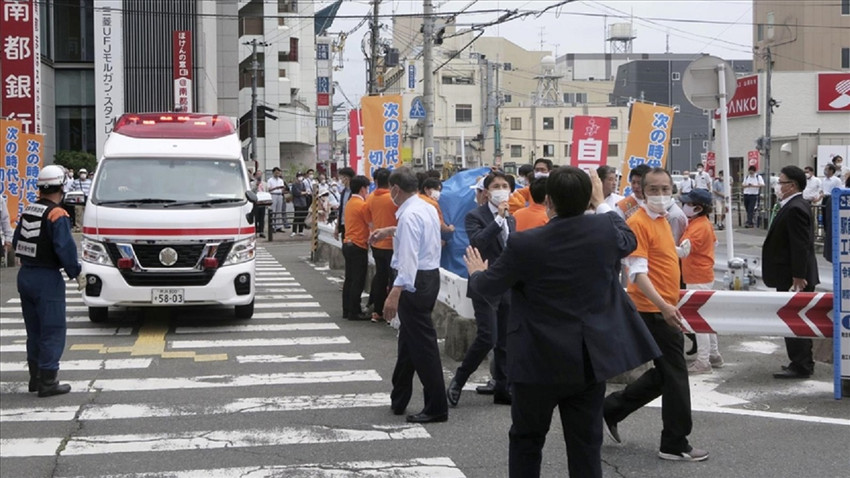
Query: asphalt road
(297, 391)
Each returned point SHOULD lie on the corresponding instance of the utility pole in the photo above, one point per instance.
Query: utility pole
(373, 42)
(254, 67)
(428, 79)
(766, 143)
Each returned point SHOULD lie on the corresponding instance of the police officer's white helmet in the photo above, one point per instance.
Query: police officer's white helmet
(51, 175)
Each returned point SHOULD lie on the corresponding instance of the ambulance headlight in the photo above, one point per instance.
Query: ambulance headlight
(242, 251)
(95, 252)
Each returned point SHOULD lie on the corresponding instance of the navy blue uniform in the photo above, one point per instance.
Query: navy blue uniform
(44, 244)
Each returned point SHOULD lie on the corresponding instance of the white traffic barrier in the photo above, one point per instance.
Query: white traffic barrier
(775, 314)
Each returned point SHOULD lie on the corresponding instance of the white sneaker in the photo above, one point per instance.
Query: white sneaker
(716, 361)
(300, 233)
(697, 368)
(292, 235)
(694, 455)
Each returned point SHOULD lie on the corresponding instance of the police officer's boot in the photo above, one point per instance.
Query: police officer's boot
(48, 384)
(33, 366)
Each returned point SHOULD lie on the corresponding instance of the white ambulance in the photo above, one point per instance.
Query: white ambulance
(168, 220)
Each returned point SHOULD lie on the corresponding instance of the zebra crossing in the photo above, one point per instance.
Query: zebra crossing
(134, 413)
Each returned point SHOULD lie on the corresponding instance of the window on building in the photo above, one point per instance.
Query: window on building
(676, 76)
(250, 26)
(615, 122)
(45, 30)
(566, 150)
(770, 21)
(575, 98)
(548, 122)
(281, 73)
(287, 6)
(675, 141)
(568, 122)
(516, 151)
(516, 124)
(508, 98)
(845, 9)
(845, 56)
(463, 113)
(549, 150)
(508, 67)
(74, 34)
(245, 72)
(613, 150)
(75, 116)
(292, 54)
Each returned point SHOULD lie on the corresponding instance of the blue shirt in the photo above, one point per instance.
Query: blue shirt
(416, 246)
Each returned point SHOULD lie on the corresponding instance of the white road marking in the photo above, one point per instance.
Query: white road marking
(281, 291)
(759, 347)
(316, 357)
(242, 405)
(209, 381)
(94, 364)
(285, 305)
(276, 342)
(117, 331)
(274, 279)
(440, 467)
(290, 315)
(20, 320)
(256, 328)
(282, 296)
(260, 286)
(70, 308)
(67, 300)
(29, 447)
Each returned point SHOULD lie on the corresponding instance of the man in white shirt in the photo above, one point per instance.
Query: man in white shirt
(276, 186)
(416, 258)
(753, 184)
(702, 179)
(686, 184)
(608, 176)
(812, 191)
(718, 190)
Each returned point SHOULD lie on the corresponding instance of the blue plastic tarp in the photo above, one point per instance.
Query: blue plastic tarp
(456, 200)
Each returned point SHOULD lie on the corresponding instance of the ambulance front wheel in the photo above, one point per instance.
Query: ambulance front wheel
(98, 314)
(244, 311)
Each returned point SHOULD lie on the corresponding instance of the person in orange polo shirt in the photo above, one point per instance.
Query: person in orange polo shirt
(654, 289)
(380, 213)
(535, 214)
(521, 197)
(430, 193)
(354, 249)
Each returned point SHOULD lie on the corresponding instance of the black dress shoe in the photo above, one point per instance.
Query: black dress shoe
(398, 411)
(360, 317)
(453, 392)
(486, 389)
(791, 373)
(613, 432)
(502, 397)
(425, 418)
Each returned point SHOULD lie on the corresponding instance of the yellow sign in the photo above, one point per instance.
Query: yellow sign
(649, 139)
(19, 168)
(381, 116)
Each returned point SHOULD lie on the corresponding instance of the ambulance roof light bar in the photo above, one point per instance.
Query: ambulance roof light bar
(170, 125)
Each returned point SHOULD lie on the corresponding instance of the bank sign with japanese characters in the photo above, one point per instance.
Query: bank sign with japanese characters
(108, 68)
(20, 62)
(22, 161)
(649, 139)
(381, 117)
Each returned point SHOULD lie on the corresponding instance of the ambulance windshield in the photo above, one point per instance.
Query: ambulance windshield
(158, 183)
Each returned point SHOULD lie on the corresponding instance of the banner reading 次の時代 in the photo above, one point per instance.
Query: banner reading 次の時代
(649, 139)
(22, 161)
(590, 142)
(381, 116)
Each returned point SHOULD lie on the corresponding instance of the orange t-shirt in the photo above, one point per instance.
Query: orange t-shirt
(628, 206)
(519, 199)
(436, 205)
(380, 211)
(531, 217)
(356, 225)
(655, 244)
(698, 267)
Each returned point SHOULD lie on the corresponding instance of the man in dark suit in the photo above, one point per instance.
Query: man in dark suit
(571, 325)
(488, 228)
(788, 259)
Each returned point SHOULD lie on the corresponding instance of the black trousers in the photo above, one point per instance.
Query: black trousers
(260, 218)
(417, 347)
(826, 211)
(669, 379)
(750, 201)
(491, 320)
(580, 407)
(381, 279)
(300, 216)
(356, 262)
(799, 350)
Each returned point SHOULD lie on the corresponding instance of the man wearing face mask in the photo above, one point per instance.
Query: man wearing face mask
(812, 191)
(430, 193)
(83, 183)
(654, 289)
(752, 184)
(488, 228)
(788, 260)
(702, 179)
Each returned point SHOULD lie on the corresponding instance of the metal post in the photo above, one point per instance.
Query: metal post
(428, 76)
(724, 157)
(768, 189)
(254, 67)
(373, 42)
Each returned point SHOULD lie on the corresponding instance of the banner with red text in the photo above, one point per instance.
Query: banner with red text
(590, 141)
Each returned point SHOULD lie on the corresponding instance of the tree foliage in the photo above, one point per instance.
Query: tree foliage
(76, 160)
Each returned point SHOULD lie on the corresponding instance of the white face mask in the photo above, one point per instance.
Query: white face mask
(690, 210)
(393, 198)
(499, 196)
(659, 204)
(435, 195)
(540, 174)
(777, 189)
(83, 176)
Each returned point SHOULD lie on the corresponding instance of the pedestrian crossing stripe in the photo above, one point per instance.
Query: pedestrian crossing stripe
(88, 331)
(315, 357)
(285, 305)
(273, 342)
(256, 328)
(265, 404)
(87, 364)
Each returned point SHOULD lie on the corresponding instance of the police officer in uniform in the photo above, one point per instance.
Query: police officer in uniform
(44, 244)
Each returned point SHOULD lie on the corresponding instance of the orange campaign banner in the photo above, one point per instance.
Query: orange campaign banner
(381, 121)
(649, 139)
(22, 161)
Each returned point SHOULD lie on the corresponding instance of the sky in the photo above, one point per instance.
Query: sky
(720, 28)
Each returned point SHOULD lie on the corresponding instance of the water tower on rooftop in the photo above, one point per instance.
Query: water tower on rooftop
(620, 36)
(548, 90)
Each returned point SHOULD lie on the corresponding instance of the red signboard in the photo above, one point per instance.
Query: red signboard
(746, 99)
(834, 92)
(355, 140)
(590, 141)
(711, 163)
(181, 43)
(19, 64)
(323, 99)
(753, 159)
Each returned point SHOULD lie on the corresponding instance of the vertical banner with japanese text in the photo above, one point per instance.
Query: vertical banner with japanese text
(355, 141)
(181, 51)
(324, 110)
(590, 141)
(22, 161)
(108, 68)
(20, 64)
(381, 117)
(649, 139)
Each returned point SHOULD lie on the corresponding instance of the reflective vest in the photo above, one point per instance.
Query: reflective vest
(35, 241)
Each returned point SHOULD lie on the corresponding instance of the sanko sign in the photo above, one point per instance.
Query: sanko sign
(746, 99)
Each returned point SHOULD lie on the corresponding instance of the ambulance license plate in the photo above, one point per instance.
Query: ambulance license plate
(167, 296)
